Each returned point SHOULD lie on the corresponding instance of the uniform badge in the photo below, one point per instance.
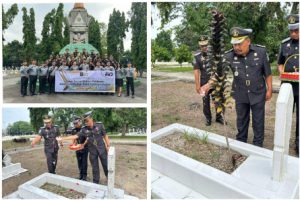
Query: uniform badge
(235, 33)
(235, 58)
(292, 19)
(255, 54)
(288, 45)
(236, 73)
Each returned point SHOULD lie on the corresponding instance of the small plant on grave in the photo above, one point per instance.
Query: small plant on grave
(218, 68)
(215, 155)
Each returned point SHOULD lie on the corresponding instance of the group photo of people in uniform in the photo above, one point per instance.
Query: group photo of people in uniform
(74, 54)
(43, 73)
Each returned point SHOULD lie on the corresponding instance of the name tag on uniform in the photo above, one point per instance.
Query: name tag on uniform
(236, 62)
(256, 58)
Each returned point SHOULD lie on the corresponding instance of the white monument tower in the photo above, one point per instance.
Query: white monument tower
(79, 22)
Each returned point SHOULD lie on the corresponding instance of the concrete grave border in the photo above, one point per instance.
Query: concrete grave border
(206, 181)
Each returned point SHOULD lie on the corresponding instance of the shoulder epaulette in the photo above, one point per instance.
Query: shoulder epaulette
(230, 50)
(98, 122)
(258, 45)
(197, 53)
(285, 40)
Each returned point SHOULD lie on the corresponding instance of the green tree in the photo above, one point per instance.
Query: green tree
(138, 24)
(164, 40)
(267, 20)
(66, 32)
(159, 53)
(183, 54)
(56, 36)
(103, 37)
(36, 117)
(46, 42)
(20, 128)
(129, 117)
(117, 26)
(29, 38)
(95, 35)
(8, 16)
(12, 54)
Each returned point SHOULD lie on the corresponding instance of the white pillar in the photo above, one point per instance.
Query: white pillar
(111, 172)
(283, 123)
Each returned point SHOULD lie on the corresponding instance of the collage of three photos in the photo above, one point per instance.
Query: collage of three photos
(150, 100)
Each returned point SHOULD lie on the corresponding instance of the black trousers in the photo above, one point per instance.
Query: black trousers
(24, 84)
(51, 161)
(42, 84)
(95, 165)
(258, 121)
(82, 156)
(129, 84)
(206, 107)
(51, 81)
(296, 103)
(32, 84)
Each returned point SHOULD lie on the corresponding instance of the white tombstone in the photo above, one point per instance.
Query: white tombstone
(111, 172)
(283, 123)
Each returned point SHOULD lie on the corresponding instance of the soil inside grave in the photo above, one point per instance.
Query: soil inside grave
(68, 193)
(199, 149)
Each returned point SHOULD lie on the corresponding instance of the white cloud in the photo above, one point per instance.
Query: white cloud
(100, 11)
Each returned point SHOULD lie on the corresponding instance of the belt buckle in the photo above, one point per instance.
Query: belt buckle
(247, 82)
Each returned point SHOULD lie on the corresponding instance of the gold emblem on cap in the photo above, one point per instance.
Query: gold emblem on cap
(235, 33)
(202, 38)
(292, 19)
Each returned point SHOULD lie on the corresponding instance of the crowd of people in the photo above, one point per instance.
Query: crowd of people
(45, 72)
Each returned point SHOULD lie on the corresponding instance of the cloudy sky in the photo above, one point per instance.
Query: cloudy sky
(11, 115)
(100, 11)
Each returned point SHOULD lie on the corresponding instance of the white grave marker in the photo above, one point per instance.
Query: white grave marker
(283, 123)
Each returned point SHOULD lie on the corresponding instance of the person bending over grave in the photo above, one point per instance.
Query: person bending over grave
(49, 132)
(97, 141)
(82, 152)
(252, 83)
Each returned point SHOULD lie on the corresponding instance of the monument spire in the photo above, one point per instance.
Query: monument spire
(78, 6)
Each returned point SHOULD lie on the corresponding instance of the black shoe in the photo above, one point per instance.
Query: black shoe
(208, 122)
(297, 151)
(132, 96)
(221, 121)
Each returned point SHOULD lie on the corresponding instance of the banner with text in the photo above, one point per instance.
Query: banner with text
(85, 81)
